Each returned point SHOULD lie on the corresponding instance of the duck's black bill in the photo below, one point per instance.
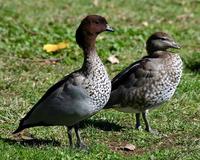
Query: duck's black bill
(109, 29)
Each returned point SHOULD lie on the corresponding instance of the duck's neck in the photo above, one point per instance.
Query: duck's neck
(91, 60)
(150, 50)
(87, 42)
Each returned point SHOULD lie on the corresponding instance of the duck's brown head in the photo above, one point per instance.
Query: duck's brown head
(160, 41)
(88, 30)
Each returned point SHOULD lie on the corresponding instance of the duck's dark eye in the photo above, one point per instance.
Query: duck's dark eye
(96, 22)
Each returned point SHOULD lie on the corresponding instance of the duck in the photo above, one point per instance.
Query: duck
(149, 82)
(79, 95)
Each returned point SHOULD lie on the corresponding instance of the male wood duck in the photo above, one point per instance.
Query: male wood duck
(78, 95)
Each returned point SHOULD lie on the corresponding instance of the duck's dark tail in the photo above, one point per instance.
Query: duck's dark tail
(107, 106)
(20, 128)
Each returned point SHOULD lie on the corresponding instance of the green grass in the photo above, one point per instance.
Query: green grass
(25, 26)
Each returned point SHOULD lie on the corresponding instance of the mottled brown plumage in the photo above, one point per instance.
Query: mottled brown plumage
(148, 82)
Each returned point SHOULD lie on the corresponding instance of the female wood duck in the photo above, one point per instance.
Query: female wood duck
(149, 82)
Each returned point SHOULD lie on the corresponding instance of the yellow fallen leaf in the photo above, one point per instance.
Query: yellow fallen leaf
(62, 45)
(55, 47)
(50, 47)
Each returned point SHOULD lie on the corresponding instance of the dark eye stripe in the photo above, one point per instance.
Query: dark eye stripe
(164, 38)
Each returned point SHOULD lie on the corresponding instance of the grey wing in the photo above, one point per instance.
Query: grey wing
(66, 104)
(133, 83)
(124, 75)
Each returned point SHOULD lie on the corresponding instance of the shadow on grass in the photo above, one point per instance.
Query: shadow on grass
(195, 67)
(101, 124)
(32, 142)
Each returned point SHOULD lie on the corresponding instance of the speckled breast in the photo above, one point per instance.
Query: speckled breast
(98, 85)
(163, 89)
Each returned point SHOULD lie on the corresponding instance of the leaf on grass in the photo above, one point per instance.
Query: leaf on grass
(55, 47)
(23, 135)
(145, 23)
(129, 147)
(95, 2)
(113, 59)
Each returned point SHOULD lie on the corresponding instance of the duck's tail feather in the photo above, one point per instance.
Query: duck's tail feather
(21, 127)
